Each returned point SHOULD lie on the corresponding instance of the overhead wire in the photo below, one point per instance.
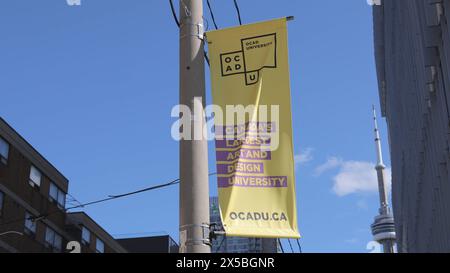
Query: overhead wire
(73, 199)
(299, 246)
(112, 197)
(109, 198)
(174, 14)
(281, 245)
(221, 243)
(290, 245)
(238, 11)
(212, 14)
(178, 23)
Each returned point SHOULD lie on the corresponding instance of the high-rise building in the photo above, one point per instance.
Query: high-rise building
(412, 53)
(228, 244)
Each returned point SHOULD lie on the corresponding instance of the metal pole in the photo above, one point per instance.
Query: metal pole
(388, 247)
(194, 189)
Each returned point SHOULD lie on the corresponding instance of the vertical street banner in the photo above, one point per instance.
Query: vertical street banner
(253, 131)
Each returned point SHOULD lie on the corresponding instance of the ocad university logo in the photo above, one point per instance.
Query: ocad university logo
(256, 54)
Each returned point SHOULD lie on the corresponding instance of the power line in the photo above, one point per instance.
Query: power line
(238, 11)
(212, 14)
(221, 243)
(73, 199)
(290, 245)
(174, 14)
(206, 57)
(177, 22)
(281, 245)
(111, 197)
(299, 246)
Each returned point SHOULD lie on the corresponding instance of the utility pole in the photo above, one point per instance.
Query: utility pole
(194, 184)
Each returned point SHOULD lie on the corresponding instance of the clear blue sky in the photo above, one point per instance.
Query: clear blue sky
(92, 87)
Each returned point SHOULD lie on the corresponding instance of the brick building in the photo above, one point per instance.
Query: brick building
(32, 204)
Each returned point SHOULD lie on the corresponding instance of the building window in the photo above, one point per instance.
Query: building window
(100, 246)
(57, 196)
(30, 224)
(85, 236)
(2, 198)
(53, 240)
(4, 151)
(35, 177)
(53, 192)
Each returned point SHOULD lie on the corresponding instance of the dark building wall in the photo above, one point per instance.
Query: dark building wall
(412, 49)
(15, 175)
(77, 220)
(26, 243)
(20, 196)
(75, 232)
(156, 244)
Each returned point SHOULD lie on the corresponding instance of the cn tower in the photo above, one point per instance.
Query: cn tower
(383, 228)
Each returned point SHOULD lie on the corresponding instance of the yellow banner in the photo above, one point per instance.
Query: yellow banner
(254, 150)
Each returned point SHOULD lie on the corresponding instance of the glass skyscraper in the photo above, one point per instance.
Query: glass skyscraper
(226, 244)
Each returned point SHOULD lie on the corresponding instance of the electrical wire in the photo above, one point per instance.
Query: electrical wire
(178, 23)
(206, 57)
(221, 243)
(74, 200)
(212, 14)
(174, 14)
(281, 245)
(290, 245)
(299, 246)
(238, 12)
(111, 197)
(215, 26)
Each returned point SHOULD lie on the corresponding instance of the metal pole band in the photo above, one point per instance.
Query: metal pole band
(199, 28)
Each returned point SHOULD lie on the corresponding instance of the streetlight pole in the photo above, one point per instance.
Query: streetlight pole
(194, 186)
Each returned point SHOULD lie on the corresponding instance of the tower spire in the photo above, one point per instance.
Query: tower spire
(377, 138)
(380, 168)
(383, 228)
